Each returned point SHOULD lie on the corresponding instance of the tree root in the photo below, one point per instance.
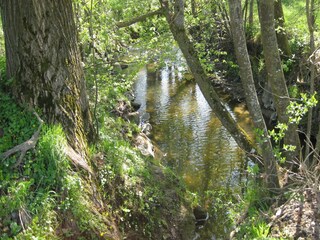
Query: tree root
(77, 159)
(25, 146)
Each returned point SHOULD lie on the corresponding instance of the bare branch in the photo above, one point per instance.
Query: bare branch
(25, 146)
(139, 19)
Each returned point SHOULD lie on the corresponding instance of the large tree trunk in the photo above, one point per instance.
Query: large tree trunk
(44, 61)
(282, 36)
(275, 74)
(252, 101)
(176, 23)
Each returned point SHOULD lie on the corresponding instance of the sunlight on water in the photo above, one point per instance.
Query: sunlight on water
(198, 147)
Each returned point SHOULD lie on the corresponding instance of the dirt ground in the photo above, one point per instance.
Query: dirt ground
(298, 218)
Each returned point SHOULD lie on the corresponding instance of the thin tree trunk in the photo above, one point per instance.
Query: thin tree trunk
(176, 24)
(224, 14)
(251, 14)
(275, 74)
(44, 61)
(252, 101)
(139, 18)
(282, 36)
(311, 24)
(245, 12)
(194, 8)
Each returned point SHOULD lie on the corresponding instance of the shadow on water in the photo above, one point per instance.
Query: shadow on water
(196, 144)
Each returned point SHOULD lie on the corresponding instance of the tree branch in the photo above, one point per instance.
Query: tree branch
(139, 19)
(25, 146)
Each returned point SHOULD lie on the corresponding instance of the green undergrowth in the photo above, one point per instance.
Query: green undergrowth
(251, 215)
(43, 194)
(255, 225)
(138, 189)
(46, 197)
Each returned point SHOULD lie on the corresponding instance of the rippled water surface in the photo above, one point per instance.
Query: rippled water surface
(196, 144)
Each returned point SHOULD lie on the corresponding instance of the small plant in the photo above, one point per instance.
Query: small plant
(296, 110)
(260, 230)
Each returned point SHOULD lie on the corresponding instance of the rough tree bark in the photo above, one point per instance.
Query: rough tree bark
(43, 60)
(175, 20)
(239, 40)
(275, 74)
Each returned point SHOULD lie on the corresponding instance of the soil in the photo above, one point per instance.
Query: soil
(298, 218)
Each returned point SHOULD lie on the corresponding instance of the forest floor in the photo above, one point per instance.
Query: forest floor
(298, 218)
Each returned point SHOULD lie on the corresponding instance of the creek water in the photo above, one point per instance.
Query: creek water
(196, 145)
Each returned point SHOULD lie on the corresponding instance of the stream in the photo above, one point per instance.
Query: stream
(196, 145)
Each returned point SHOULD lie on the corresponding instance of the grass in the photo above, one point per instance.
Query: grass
(46, 197)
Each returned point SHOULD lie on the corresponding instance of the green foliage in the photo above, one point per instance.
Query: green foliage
(30, 190)
(295, 13)
(287, 65)
(278, 134)
(259, 230)
(297, 109)
(17, 123)
(127, 183)
(51, 160)
(293, 91)
(254, 202)
(2, 45)
(253, 169)
(2, 67)
(43, 186)
(124, 176)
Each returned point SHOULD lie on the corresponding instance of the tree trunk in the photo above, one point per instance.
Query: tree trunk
(282, 36)
(139, 18)
(244, 12)
(175, 21)
(252, 101)
(43, 59)
(310, 12)
(251, 15)
(194, 8)
(275, 74)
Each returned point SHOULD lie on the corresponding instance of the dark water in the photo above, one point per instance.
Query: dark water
(196, 144)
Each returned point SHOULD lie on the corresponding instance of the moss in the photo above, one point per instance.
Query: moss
(128, 194)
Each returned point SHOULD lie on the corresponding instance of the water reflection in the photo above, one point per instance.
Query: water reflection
(198, 147)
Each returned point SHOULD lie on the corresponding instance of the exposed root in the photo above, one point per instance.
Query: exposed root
(77, 159)
(25, 146)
